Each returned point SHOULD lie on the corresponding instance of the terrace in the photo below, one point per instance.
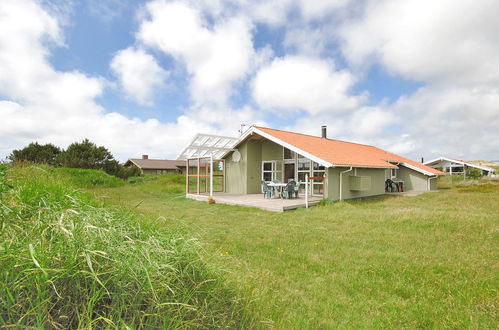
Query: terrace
(257, 200)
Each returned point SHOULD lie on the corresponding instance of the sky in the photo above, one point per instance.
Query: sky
(416, 77)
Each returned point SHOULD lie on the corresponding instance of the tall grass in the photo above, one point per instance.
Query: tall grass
(67, 263)
(86, 178)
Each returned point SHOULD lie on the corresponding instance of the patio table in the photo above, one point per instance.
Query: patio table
(279, 186)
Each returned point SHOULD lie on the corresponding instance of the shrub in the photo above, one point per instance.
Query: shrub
(36, 153)
(474, 173)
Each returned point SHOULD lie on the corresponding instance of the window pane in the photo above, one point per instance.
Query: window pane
(193, 184)
(318, 167)
(318, 174)
(267, 176)
(301, 176)
(318, 189)
(218, 183)
(303, 164)
(288, 154)
(267, 166)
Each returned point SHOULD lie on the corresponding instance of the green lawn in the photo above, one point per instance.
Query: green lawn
(429, 261)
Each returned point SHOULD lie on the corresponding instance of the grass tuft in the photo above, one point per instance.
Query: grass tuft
(68, 263)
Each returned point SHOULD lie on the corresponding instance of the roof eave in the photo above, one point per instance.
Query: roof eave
(420, 170)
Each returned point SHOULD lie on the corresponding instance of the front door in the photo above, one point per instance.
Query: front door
(289, 172)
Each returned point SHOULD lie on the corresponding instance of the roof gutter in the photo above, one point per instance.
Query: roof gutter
(341, 182)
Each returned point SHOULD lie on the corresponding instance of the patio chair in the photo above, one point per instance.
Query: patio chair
(390, 186)
(289, 190)
(267, 191)
(297, 188)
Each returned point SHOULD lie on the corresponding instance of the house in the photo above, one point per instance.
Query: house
(156, 166)
(458, 166)
(337, 169)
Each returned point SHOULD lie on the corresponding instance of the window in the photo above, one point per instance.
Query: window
(288, 154)
(303, 165)
(318, 185)
(394, 173)
(268, 171)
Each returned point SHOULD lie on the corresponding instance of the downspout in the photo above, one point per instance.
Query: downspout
(429, 182)
(341, 182)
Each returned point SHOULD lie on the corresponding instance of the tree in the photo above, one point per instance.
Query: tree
(36, 153)
(87, 154)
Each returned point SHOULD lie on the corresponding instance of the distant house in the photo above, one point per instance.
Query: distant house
(458, 166)
(156, 166)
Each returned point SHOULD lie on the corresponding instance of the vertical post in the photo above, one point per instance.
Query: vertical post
(187, 176)
(211, 175)
(198, 183)
(223, 175)
(306, 190)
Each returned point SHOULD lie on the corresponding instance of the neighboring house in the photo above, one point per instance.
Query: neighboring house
(338, 170)
(458, 166)
(156, 166)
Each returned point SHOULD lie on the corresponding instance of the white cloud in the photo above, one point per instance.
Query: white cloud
(319, 9)
(139, 74)
(215, 56)
(304, 83)
(454, 121)
(442, 41)
(38, 103)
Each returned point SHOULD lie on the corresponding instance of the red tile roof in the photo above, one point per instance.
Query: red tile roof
(340, 153)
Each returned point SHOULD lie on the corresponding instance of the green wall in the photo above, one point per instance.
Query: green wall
(333, 182)
(254, 170)
(414, 180)
(271, 150)
(235, 173)
(244, 177)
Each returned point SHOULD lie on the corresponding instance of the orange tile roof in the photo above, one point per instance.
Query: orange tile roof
(340, 153)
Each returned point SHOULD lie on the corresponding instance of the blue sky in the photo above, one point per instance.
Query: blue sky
(145, 76)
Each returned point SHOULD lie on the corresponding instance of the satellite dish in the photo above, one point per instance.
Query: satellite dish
(236, 156)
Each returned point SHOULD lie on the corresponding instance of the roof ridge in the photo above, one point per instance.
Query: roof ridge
(318, 137)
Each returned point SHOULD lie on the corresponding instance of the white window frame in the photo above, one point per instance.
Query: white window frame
(317, 183)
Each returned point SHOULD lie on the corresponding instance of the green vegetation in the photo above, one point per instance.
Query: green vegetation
(36, 153)
(141, 255)
(85, 154)
(84, 178)
(393, 262)
(66, 262)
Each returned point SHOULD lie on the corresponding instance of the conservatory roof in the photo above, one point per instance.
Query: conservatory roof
(206, 145)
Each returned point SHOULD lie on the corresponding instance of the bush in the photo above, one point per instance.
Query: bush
(36, 153)
(474, 173)
(67, 263)
(85, 154)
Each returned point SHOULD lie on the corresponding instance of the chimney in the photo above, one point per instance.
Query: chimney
(145, 156)
(324, 132)
(422, 160)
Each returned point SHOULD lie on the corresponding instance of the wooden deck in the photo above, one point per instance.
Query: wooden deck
(258, 201)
